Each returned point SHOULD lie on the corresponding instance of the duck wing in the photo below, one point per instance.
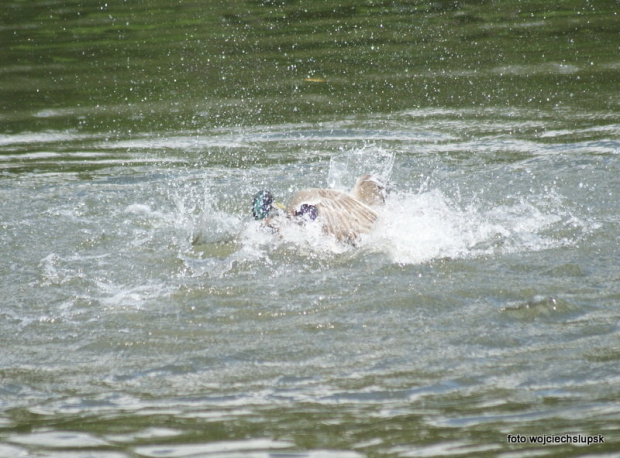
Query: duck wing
(340, 214)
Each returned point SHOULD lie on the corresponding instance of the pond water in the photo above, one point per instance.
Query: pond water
(146, 314)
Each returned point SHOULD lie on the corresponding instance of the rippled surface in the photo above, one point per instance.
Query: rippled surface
(146, 314)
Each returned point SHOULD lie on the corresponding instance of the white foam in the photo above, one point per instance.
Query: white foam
(117, 295)
(413, 227)
(416, 228)
(308, 239)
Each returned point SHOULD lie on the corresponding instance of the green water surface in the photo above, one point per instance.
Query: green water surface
(129, 130)
(97, 65)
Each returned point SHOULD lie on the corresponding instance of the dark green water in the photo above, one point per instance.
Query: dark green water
(145, 314)
(133, 66)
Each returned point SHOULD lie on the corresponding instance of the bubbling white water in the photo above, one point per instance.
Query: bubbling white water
(413, 226)
(416, 228)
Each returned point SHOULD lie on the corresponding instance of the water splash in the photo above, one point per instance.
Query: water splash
(348, 165)
(416, 228)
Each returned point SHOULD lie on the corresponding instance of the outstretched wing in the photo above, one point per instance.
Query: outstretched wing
(340, 214)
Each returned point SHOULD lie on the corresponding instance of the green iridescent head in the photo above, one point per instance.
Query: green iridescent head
(262, 204)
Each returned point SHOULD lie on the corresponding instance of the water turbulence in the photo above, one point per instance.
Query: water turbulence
(182, 313)
(147, 313)
(432, 222)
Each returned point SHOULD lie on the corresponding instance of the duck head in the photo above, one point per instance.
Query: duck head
(369, 190)
(262, 204)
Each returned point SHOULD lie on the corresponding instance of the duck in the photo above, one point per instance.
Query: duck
(345, 216)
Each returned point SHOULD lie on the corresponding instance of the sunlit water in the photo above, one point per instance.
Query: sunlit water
(146, 314)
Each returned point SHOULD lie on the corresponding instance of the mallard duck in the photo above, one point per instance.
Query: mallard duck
(345, 216)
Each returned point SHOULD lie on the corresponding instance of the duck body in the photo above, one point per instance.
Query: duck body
(339, 214)
(345, 216)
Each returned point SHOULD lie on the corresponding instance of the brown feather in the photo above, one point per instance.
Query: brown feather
(339, 214)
